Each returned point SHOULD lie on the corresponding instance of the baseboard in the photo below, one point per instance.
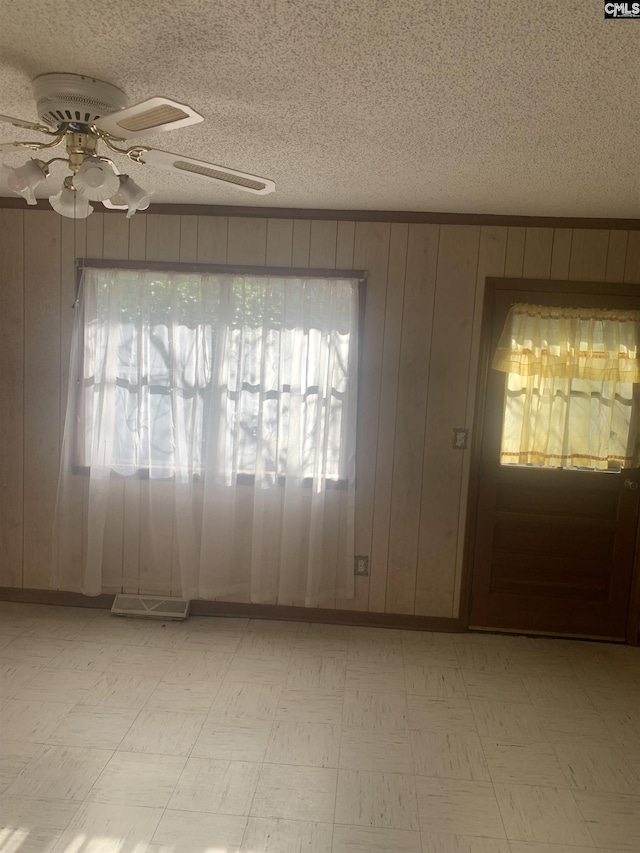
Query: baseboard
(200, 607)
(321, 614)
(54, 596)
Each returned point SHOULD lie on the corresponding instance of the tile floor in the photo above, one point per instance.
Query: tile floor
(238, 736)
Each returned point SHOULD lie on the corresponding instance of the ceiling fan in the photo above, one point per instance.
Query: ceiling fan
(85, 114)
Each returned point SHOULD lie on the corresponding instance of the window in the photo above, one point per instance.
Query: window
(571, 393)
(239, 375)
(230, 398)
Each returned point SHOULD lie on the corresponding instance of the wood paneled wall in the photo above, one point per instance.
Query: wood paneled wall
(418, 372)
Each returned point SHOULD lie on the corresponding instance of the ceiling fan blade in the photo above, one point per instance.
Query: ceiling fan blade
(150, 116)
(200, 169)
(30, 125)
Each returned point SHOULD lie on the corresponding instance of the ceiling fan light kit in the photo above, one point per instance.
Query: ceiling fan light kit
(86, 113)
(96, 179)
(130, 197)
(71, 203)
(25, 179)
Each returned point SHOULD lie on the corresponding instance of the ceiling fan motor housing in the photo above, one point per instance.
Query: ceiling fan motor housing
(75, 98)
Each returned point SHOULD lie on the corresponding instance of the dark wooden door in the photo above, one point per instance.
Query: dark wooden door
(554, 548)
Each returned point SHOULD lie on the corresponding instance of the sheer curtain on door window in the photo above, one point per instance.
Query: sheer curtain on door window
(571, 393)
(209, 445)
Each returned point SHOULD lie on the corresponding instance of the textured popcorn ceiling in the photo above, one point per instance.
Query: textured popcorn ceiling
(487, 106)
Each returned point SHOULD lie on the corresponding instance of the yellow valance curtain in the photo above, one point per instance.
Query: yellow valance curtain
(580, 343)
(570, 399)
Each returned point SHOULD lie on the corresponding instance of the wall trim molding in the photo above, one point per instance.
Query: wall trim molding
(200, 607)
(361, 618)
(52, 596)
(405, 216)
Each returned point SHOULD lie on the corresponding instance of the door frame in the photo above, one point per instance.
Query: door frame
(492, 286)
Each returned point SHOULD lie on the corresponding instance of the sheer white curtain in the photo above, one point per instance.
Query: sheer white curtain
(571, 393)
(224, 406)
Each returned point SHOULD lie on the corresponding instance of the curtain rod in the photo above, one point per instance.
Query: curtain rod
(239, 269)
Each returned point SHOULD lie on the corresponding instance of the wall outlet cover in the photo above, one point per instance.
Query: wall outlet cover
(460, 438)
(361, 566)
